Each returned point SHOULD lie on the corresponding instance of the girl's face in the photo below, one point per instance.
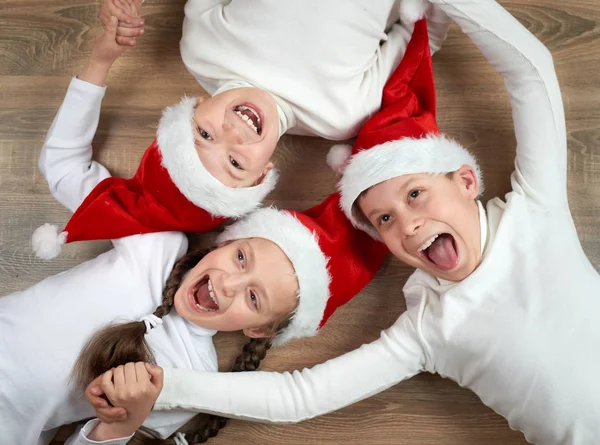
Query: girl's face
(236, 133)
(247, 285)
(430, 222)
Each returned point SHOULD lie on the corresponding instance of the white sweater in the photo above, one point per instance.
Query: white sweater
(325, 62)
(521, 331)
(43, 328)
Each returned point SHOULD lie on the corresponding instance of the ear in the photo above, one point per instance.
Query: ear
(258, 333)
(267, 169)
(467, 181)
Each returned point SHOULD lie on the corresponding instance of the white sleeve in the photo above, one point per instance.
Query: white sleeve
(81, 437)
(66, 157)
(394, 48)
(530, 78)
(292, 397)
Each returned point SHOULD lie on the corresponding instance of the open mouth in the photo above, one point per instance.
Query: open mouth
(251, 116)
(440, 250)
(203, 296)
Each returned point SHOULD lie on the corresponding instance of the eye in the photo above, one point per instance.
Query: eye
(241, 258)
(254, 299)
(204, 134)
(383, 219)
(414, 194)
(235, 163)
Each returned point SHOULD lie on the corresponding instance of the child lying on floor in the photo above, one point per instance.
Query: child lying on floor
(271, 275)
(503, 301)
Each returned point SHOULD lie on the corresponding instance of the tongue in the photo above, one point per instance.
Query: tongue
(203, 299)
(442, 252)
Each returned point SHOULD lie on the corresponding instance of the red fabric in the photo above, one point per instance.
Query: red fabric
(354, 257)
(408, 104)
(148, 202)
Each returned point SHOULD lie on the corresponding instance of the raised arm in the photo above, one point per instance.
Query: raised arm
(66, 156)
(530, 78)
(292, 397)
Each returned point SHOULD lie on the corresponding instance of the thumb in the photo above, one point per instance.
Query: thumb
(157, 374)
(111, 27)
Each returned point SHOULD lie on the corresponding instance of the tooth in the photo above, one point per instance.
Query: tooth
(202, 308)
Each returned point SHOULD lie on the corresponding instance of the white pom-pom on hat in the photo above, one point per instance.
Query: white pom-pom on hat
(47, 242)
(413, 10)
(338, 157)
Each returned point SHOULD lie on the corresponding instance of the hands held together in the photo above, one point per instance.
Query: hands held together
(132, 390)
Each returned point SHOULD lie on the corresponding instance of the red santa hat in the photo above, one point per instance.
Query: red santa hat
(333, 260)
(171, 190)
(403, 137)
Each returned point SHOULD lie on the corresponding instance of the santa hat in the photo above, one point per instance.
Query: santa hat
(171, 190)
(333, 260)
(403, 137)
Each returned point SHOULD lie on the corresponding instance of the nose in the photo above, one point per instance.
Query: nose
(232, 285)
(231, 134)
(410, 225)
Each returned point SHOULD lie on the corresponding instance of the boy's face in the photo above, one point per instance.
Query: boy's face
(430, 222)
(235, 134)
(247, 285)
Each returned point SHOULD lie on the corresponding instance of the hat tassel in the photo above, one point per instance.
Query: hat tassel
(47, 241)
(338, 157)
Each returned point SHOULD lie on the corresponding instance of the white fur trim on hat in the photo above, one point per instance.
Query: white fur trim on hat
(302, 248)
(435, 154)
(176, 144)
(413, 10)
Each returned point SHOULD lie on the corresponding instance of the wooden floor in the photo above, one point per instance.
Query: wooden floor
(44, 42)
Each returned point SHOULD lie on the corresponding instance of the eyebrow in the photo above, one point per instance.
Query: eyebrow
(263, 291)
(399, 191)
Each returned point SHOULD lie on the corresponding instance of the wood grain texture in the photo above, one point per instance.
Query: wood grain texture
(43, 43)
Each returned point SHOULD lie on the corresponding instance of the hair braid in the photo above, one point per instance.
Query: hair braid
(118, 344)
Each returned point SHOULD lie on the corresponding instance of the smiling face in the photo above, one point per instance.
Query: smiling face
(247, 285)
(430, 222)
(235, 134)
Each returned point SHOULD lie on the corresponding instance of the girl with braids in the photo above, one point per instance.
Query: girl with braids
(271, 276)
(504, 300)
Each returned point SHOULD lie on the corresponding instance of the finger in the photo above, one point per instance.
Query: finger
(118, 10)
(93, 392)
(125, 9)
(108, 386)
(119, 377)
(95, 397)
(157, 374)
(104, 18)
(111, 28)
(123, 31)
(111, 414)
(126, 41)
(143, 376)
(130, 375)
(136, 22)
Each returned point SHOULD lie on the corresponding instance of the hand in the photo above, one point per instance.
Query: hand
(106, 49)
(134, 387)
(128, 13)
(96, 396)
(104, 52)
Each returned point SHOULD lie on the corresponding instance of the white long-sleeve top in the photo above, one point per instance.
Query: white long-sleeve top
(324, 62)
(521, 331)
(43, 328)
